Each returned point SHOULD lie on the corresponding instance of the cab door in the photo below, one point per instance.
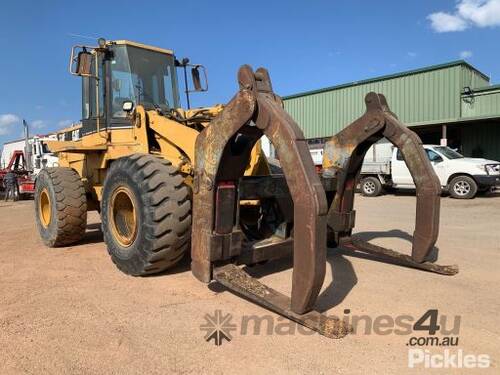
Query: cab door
(94, 96)
(439, 164)
(401, 176)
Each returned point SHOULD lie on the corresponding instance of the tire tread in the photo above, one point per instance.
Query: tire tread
(70, 205)
(167, 214)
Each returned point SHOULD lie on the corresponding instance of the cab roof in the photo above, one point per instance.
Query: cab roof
(139, 45)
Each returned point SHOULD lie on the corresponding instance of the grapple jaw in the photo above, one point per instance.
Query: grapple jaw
(342, 160)
(218, 239)
(223, 233)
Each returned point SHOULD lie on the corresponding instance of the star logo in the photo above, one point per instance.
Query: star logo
(218, 327)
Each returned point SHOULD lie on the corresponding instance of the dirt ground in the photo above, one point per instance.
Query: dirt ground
(69, 310)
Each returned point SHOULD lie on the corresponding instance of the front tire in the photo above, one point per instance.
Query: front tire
(463, 187)
(61, 206)
(146, 214)
(370, 187)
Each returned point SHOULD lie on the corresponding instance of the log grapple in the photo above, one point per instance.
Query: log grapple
(307, 206)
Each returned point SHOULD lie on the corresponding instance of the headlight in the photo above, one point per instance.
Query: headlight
(482, 167)
(493, 169)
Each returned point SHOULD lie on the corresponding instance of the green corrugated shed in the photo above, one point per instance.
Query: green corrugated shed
(481, 118)
(484, 102)
(429, 95)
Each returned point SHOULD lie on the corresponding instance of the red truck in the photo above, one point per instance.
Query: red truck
(17, 164)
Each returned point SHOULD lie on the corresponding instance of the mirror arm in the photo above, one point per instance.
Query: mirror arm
(186, 86)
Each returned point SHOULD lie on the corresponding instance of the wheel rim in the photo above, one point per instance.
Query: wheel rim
(369, 187)
(123, 216)
(44, 208)
(461, 188)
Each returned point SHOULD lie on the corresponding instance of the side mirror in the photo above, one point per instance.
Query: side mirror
(84, 63)
(195, 75)
(128, 106)
(80, 64)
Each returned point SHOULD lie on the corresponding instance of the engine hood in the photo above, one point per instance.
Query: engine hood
(476, 161)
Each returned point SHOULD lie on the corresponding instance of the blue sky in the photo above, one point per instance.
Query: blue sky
(305, 44)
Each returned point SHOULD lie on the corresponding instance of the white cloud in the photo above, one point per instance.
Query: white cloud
(481, 13)
(468, 13)
(38, 124)
(412, 54)
(465, 54)
(39, 107)
(444, 22)
(6, 121)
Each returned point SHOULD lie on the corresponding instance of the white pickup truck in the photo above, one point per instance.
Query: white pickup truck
(462, 177)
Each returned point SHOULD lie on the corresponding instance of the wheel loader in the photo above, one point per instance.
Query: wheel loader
(167, 180)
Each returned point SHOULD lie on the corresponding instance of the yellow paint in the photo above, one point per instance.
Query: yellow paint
(45, 208)
(172, 134)
(123, 216)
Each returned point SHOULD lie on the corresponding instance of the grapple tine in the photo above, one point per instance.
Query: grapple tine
(354, 244)
(427, 185)
(240, 282)
(309, 201)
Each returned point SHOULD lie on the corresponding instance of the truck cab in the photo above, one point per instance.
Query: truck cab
(41, 156)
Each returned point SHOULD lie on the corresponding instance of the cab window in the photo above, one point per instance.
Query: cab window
(144, 77)
(433, 156)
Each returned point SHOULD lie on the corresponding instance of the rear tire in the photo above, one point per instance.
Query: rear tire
(146, 214)
(370, 187)
(61, 206)
(463, 187)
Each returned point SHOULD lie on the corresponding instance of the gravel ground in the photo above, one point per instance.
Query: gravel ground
(69, 310)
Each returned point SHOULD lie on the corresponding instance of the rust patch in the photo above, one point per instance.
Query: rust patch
(235, 276)
(335, 328)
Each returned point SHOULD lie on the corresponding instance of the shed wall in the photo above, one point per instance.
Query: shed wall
(425, 96)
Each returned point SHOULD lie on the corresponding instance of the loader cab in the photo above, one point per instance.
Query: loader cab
(123, 72)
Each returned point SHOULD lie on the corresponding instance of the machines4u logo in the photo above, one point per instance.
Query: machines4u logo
(218, 327)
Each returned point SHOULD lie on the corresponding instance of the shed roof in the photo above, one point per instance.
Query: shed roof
(390, 76)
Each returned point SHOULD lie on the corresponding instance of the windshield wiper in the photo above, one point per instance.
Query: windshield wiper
(144, 94)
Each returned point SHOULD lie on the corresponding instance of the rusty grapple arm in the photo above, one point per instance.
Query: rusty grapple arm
(218, 240)
(342, 160)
